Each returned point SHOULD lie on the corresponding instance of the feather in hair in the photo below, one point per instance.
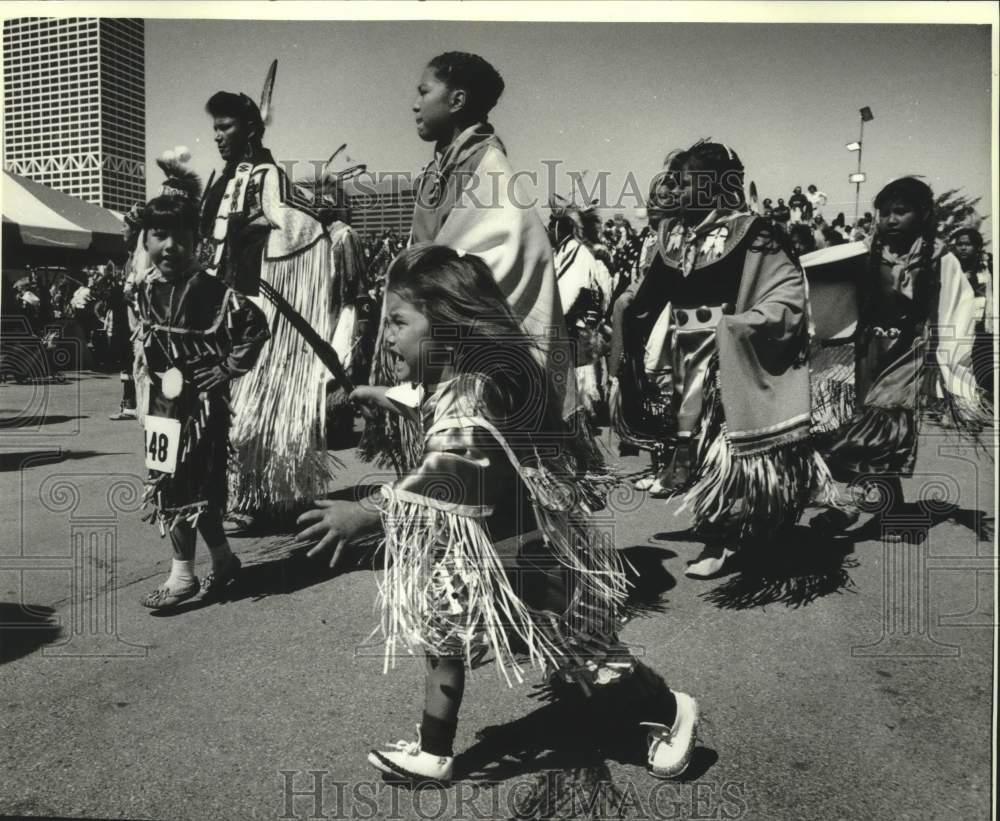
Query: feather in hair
(180, 181)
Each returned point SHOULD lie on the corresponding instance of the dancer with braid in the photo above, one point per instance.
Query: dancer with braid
(914, 349)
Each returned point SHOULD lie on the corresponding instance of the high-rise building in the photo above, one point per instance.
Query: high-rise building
(75, 106)
(376, 207)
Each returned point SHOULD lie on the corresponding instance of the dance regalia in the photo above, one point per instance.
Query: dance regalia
(194, 323)
(469, 199)
(715, 375)
(253, 228)
(584, 289)
(913, 351)
(488, 550)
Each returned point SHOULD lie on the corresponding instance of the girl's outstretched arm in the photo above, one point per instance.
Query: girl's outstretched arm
(338, 524)
(371, 396)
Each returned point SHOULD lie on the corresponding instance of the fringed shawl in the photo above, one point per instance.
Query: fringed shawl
(210, 324)
(763, 373)
(764, 380)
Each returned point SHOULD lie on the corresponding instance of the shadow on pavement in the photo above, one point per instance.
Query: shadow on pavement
(287, 573)
(24, 628)
(18, 461)
(649, 579)
(913, 520)
(286, 568)
(38, 420)
(805, 566)
(567, 745)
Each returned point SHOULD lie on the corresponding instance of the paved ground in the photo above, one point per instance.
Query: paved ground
(851, 680)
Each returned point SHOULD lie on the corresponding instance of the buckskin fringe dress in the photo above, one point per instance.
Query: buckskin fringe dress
(489, 553)
(190, 324)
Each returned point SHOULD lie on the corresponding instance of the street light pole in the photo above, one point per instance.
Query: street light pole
(857, 185)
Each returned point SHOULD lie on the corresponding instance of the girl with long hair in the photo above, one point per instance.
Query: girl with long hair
(913, 348)
(488, 547)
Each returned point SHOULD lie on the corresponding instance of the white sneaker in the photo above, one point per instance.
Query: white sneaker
(670, 748)
(645, 483)
(407, 760)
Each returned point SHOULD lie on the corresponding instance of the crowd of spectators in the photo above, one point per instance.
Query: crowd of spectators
(88, 297)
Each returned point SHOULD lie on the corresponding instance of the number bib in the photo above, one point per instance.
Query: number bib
(162, 439)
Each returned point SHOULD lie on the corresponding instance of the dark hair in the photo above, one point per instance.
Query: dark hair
(911, 191)
(472, 74)
(462, 302)
(803, 233)
(722, 168)
(919, 196)
(170, 212)
(974, 237)
(238, 106)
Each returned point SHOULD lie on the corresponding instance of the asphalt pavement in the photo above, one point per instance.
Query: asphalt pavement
(847, 678)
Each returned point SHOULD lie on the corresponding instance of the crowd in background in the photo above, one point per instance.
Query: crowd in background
(92, 296)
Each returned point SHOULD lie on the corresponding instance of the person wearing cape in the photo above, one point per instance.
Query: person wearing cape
(715, 374)
(256, 229)
(470, 199)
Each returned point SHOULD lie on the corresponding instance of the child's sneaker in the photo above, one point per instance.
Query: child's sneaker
(407, 760)
(670, 748)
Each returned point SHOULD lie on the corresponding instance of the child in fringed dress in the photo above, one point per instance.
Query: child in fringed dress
(914, 352)
(197, 336)
(488, 550)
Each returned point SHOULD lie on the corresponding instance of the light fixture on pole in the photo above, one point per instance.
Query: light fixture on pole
(858, 177)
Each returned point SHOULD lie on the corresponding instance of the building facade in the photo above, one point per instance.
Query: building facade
(377, 207)
(75, 106)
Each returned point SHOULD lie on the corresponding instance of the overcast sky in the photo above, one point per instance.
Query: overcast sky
(603, 97)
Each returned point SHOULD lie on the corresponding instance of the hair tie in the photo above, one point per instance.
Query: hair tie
(460, 252)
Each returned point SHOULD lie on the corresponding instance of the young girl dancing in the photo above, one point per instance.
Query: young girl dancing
(487, 544)
(915, 329)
